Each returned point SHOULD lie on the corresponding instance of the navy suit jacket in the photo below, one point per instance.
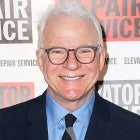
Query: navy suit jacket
(27, 121)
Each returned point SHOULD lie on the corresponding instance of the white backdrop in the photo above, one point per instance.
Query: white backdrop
(20, 77)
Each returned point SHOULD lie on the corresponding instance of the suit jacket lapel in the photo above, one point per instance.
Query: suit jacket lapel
(37, 123)
(99, 125)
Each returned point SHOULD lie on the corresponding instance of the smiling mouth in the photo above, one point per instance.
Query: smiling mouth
(70, 78)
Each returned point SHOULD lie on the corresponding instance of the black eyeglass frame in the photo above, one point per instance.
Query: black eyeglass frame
(95, 49)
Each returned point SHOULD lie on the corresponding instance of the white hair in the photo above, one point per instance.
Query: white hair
(72, 9)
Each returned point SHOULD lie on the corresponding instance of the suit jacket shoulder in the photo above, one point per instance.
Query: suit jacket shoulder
(20, 110)
(109, 121)
(25, 121)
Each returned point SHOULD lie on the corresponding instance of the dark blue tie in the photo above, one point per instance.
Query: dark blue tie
(69, 133)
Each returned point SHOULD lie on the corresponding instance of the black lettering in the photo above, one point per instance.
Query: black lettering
(2, 89)
(122, 28)
(112, 7)
(96, 5)
(106, 28)
(135, 6)
(110, 61)
(115, 28)
(137, 27)
(24, 93)
(12, 95)
(124, 7)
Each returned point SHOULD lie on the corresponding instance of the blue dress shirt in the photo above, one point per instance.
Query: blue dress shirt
(55, 118)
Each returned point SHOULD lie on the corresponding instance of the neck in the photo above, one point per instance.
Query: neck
(73, 105)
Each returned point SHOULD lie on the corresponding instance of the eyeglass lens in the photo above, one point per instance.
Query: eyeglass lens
(83, 55)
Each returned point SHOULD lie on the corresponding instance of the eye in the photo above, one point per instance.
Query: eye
(85, 50)
(57, 51)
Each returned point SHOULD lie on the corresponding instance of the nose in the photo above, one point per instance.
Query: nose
(72, 63)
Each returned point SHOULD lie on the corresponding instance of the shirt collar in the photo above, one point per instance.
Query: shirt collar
(55, 112)
(83, 114)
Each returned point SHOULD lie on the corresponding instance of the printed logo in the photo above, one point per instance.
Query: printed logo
(14, 93)
(15, 21)
(120, 19)
(125, 93)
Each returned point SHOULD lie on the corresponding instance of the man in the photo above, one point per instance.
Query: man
(71, 57)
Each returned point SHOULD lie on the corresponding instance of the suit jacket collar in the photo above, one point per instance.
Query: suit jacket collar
(99, 125)
(37, 123)
(100, 122)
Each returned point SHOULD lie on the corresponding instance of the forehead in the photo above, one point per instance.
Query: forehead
(70, 28)
(66, 20)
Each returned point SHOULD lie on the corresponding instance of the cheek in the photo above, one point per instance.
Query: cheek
(94, 67)
(50, 71)
(93, 71)
(46, 66)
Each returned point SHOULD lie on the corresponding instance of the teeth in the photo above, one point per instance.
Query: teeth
(70, 78)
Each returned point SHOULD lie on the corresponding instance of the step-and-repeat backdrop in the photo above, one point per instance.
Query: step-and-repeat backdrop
(20, 77)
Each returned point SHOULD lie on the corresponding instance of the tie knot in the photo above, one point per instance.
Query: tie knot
(69, 120)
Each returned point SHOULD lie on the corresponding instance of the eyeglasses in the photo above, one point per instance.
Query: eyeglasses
(59, 55)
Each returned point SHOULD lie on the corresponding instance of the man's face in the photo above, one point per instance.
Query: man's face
(70, 81)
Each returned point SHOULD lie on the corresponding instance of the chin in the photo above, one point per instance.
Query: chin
(73, 95)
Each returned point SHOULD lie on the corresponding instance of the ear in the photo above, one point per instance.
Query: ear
(102, 58)
(39, 59)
